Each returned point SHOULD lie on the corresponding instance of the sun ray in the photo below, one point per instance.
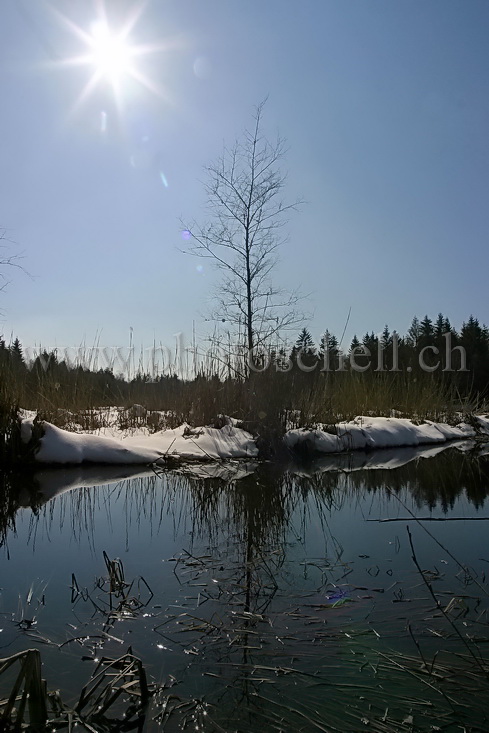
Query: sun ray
(110, 53)
(71, 26)
(133, 19)
(145, 81)
(86, 92)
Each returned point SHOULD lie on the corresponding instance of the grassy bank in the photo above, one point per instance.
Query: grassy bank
(266, 403)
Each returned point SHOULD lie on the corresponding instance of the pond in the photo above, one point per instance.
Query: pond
(338, 595)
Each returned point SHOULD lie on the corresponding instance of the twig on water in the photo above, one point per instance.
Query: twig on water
(417, 645)
(445, 549)
(430, 519)
(440, 607)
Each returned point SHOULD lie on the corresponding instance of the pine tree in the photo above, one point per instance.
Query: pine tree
(305, 342)
(304, 349)
(386, 339)
(371, 342)
(16, 355)
(355, 343)
(328, 352)
(473, 339)
(426, 332)
(414, 333)
(358, 357)
(4, 353)
(440, 326)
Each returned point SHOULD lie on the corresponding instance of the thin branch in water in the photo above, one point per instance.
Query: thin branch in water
(441, 609)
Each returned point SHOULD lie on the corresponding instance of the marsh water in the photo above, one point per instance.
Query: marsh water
(261, 597)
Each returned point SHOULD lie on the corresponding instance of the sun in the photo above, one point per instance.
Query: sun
(110, 54)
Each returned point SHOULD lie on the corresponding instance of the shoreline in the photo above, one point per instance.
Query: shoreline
(48, 445)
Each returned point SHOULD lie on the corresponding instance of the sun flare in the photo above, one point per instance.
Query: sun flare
(111, 54)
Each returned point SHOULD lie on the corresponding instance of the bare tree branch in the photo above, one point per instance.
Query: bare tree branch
(7, 260)
(247, 213)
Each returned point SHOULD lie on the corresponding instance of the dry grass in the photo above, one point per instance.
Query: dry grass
(266, 403)
(117, 686)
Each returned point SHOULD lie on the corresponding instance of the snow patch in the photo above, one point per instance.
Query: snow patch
(370, 433)
(59, 446)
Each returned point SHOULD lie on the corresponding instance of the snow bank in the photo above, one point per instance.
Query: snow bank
(483, 421)
(199, 443)
(116, 447)
(59, 446)
(370, 433)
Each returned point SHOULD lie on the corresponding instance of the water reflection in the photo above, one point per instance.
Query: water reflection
(449, 472)
(276, 606)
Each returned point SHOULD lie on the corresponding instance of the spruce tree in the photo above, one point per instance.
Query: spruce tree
(426, 332)
(386, 338)
(414, 333)
(355, 343)
(304, 348)
(473, 339)
(328, 352)
(371, 342)
(305, 342)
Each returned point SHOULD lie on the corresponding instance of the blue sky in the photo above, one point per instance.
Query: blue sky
(385, 107)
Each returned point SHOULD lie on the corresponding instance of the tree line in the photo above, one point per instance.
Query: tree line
(50, 378)
(429, 346)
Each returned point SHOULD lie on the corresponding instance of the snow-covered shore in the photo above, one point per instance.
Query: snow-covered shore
(58, 446)
(372, 433)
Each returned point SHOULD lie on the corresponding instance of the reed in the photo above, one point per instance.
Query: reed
(266, 403)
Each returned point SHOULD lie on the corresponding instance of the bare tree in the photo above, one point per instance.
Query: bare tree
(6, 260)
(248, 214)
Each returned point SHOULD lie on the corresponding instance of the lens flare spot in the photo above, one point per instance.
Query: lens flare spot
(163, 179)
(140, 126)
(200, 268)
(202, 67)
(103, 121)
(186, 234)
(140, 159)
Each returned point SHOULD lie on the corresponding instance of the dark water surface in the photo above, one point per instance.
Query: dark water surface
(274, 601)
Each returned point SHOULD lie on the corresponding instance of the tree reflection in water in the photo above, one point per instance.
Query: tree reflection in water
(267, 635)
